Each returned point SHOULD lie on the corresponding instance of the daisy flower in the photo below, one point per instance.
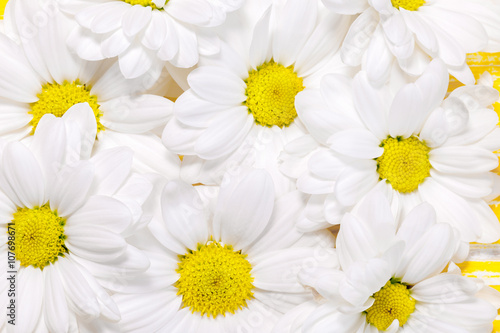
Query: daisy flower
(413, 146)
(50, 79)
(240, 109)
(64, 222)
(222, 261)
(145, 34)
(392, 280)
(409, 33)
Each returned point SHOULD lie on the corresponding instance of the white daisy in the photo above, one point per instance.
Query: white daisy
(413, 146)
(50, 79)
(222, 261)
(239, 109)
(409, 33)
(393, 280)
(66, 219)
(145, 34)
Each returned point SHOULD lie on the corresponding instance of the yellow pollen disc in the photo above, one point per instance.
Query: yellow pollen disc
(214, 279)
(404, 163)
(144, 3)
(271, 91)
(57, 99)
(408, 4)
(392, 302)
(3, 3)
(39, 236)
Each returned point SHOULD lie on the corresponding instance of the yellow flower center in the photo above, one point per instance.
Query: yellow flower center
(3, 3)
(214, 279)
(408, 4)
(39, 236)
(404, 163)
(57, 99)
(271, 91)
(144, 3)
(392, 302)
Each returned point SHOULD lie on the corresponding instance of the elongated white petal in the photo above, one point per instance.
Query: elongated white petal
(244, 209)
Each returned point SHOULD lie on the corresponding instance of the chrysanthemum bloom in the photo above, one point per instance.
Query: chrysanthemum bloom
(145, 34)
(222, 261)
(392, 279)
(409, 33)
(65, 220)
(42, 76)
(240, 109)
(413, 146)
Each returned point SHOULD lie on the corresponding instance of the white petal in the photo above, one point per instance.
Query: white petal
(55, 306)
(312, 184)
(81, 131)
(135, 19)
(225, 134)
(444, 288)
(289, 37)
(488, 220)
(378, 60)
(370, 106)
(358, 143)
(170, 46)
(115, 44)
(244, 209)
(277, 271)
(102, 211)
(469, 186)
(353, 183)
(80, 296)
(364, 279)
(433, 85)
(136, 115)
(451, 208)
(180, 138)
(22, 179)
(281, 232)
(358, 37)
(183, 214)
(217, 85)
(430, 254)
(14, 64)
(260, 47)
(107, 16)
(318, 118)
(355, 242)
(157, 310)
(70, 188)
(187, 55)
(480, 122)
(29, 298)
(406, 114)
(49, 145)
(112, 166)
(435, 130)
(94, 243)
(192, 110)
(326, 164)
(135, 61)
(462, 160)
(44, 43)
(416, 223)
(156, 32)
(422, 31)
(327, 317)
(190, 11)
(346, 7)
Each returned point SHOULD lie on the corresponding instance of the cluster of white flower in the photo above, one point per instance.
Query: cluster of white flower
(239, 166)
